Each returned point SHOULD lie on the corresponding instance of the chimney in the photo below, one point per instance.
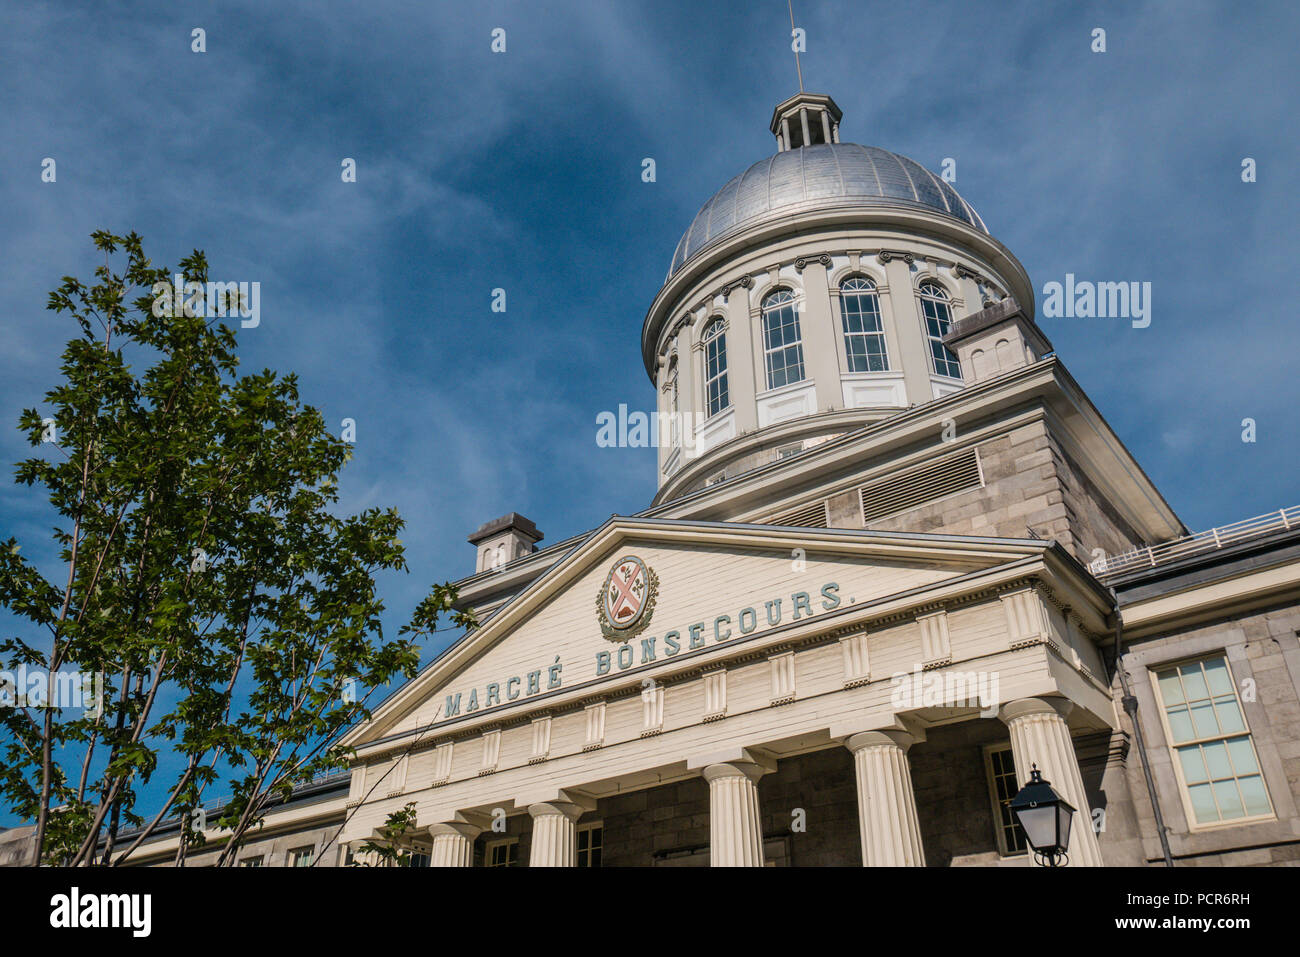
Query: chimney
(503, 540)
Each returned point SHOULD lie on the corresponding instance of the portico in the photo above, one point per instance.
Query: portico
(723, 742)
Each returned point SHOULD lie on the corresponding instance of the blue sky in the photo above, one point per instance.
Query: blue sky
(521, 170)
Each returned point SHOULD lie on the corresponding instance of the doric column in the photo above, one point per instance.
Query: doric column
(453, 844)
(555, 834)
(887, 819)
(1039, 735)
(735, 833)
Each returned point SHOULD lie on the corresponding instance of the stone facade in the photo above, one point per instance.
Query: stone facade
(1263, 651)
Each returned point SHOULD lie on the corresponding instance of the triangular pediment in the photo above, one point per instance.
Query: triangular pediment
(689, 589)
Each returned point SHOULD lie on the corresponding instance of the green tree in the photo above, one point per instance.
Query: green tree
(202, 565)
(392, 848)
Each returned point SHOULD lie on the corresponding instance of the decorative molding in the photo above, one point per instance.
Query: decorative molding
(744, 282)
(541, 739)
(652, 709)
(442, 756)
(782, 675)
(936, 644)
(824, 259)
(595, 726)
(715, 695)
(491, 751)
(857, 659)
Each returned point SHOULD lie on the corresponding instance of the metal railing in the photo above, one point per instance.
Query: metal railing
(1152, 555)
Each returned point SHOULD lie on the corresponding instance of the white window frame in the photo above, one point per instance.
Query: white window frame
(296, 852)
(1000, 830)
(593, 826)
(672, 387)
(943, 296)
(769, 308)
(1184, 791)
(714, 338)
(854, 292)
(505, 842)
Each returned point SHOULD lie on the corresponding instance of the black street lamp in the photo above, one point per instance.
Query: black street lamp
(1045, 818)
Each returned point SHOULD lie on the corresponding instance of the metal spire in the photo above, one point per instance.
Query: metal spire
(798, 69)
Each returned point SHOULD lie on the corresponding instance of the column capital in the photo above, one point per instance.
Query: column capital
(734, 754)
(458, 828)
(736, 769)
(564, 808)
(887, 737)
(1024, 707)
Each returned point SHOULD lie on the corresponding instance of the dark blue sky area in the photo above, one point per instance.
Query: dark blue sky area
(522, 171)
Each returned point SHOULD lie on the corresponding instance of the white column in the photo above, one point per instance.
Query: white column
(453, 844)
(555, 834)
(735, 832)
(887, 819)
(1040, 735)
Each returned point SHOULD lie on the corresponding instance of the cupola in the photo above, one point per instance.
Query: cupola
(806, 119)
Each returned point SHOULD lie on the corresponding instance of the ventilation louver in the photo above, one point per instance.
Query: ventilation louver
(810, 516)
(921, 485)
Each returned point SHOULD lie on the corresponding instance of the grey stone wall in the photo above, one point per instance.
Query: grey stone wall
(954, 804)
(1029, 484)
(1263, 653)
(674, 819)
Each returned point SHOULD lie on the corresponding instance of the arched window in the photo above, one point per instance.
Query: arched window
(715, 366)
(864, 337)
(938, 319)
(671, 388)
(782, 348)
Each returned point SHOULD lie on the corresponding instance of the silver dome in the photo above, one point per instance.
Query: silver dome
(826, 175)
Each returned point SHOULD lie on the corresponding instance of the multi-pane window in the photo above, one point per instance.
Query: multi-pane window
(674, 424)
(938, 319)
(715, 366)
(503, 853)
(1003, 787)
(590, 840)
(302, 856)
(864, 337)
(251, 861)
(782, 348)
(1213, 750)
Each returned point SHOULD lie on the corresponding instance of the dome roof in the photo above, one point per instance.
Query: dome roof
(815, 177)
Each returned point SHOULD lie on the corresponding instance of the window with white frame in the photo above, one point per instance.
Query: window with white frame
(864, 336)
(714, 338)
(302, 856)
(1000, 767)
(937, 315)
(504, 853)
(782, 346)
(252, 861)
(590, 842)
(1212, 745)
(674, 425)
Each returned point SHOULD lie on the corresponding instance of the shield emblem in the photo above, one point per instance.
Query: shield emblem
(627, 598)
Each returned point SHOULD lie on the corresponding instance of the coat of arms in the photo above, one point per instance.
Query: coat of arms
(627, 599)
